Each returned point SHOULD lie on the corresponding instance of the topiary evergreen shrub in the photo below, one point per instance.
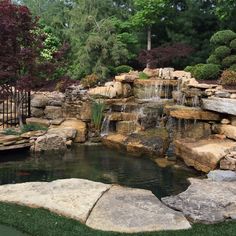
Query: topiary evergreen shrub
(213, 60)
(233, 44)
(123, 69)
(229, 61)
(223, 37)
(221, 52)
(205, 71)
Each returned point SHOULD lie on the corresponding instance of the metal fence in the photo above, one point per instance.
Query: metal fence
(13, 104)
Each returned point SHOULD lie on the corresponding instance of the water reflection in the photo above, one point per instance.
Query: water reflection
(95, 163)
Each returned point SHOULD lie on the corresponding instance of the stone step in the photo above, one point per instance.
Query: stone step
(205, 154)
(222, 105)
(99, 206)
(191, 113)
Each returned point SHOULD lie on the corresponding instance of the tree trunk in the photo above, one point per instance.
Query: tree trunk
(149, 42)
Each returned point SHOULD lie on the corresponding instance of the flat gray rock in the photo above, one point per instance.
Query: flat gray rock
(72, 198)
(222, 175)
(134, 210)
(222, 105)
(206, 201)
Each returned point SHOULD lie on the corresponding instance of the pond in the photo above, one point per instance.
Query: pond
(96, 163)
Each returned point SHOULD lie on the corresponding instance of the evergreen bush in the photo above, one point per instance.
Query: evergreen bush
(233, 44)
(213, 60)
(229, 61)
(206, 71)
(123, 69)
(221, 52)
(223, 37)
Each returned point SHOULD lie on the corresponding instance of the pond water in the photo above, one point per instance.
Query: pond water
(96, 163)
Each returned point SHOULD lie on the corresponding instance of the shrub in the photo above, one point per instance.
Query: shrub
(213, 60)
(123, 69)
(31, 127)
(233, 67)
(223, 37)
(143, 75)
(222, 52)
(97, 114)
(229, 61)
(189, 69)
(233, 44)
(90, 81)
(206, 71)
(228, 77)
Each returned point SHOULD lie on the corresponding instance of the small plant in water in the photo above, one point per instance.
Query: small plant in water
(97, 114)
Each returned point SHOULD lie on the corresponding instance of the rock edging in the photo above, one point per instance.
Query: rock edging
(100, 206)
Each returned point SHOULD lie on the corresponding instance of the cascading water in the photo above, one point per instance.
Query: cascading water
(154, 91)
(106, 124)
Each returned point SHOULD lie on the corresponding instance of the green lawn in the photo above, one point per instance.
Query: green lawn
(39, 222)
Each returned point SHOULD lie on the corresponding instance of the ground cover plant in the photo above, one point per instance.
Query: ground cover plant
(38, 222)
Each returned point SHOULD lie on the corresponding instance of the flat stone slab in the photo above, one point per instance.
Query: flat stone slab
(206, 201)
(222, 105)
(99, 206)
(73, 198)
(134, 210)
(15, 147)
(204, 154)
(222, 175)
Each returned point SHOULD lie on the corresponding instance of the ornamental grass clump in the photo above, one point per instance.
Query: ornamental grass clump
(97, 114)
(228, 78)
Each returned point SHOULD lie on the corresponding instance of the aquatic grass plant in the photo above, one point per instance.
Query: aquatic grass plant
(97, 114)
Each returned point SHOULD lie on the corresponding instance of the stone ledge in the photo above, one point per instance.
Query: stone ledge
(100, 206)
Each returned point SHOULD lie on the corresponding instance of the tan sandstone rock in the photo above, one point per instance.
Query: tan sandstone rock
(205, 154)
(78, 125)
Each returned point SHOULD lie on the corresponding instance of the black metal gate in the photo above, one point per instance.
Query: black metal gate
(13, 104)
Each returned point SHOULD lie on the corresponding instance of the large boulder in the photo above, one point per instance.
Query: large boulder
(228, 130)
(222, 175)
(151, 72)
(66, 132)
(206, 201)
(39, 100)
(48, 143)
(205, 154)
(222, 105)
(134, 210)
(53, 112)
(191, 113)
(79, 126)
(38, 121)
(153, 142)
(37, 112)
(127, 77)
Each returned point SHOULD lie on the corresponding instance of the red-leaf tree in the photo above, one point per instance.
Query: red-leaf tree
(21, 63)
(164, 55)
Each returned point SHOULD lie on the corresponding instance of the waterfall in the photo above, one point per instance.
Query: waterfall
(105, 125)
(153, 91)
(195, 101)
